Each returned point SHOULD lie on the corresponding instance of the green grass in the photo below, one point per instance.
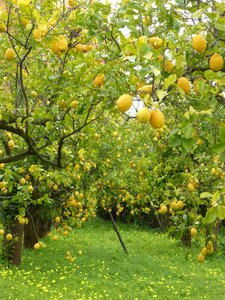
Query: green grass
(156, 268)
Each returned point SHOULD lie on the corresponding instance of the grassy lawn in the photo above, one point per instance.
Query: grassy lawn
(156, 268)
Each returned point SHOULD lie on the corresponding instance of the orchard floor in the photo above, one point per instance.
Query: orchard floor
(156, 268)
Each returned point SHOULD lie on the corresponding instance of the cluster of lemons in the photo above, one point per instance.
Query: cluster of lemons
(216, 61)
(208, 249)
(154, 117)
(173, 206)
(8, 236)
(59, 45)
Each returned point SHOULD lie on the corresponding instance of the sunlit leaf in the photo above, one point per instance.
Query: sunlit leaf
(161, 94)
(221, 212)
(170, 80)
(210, 216)
(205, 195)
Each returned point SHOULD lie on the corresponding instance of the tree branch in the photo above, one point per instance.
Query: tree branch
(17, 131)
(62, 139)
(16, 157)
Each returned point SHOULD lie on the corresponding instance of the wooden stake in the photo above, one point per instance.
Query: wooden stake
(117, 232)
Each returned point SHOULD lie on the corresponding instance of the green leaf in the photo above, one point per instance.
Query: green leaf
(205, 195)
(180, 64)
(221, 212)
(222, 134)
(188, 144)
(220, 26)
(197, 14)
(44, 199)
(210, 216)
(37, 15)
(188, 131)
(205, 112)
(209, 74)
(161, 94)
(216, 196)
(170, 80)
(219, 148)
(155, 70)
(174, 139)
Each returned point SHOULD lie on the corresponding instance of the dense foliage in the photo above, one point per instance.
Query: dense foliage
(69, 147)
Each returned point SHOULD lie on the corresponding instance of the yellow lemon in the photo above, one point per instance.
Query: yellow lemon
(21, 220)
(30, 189)
(80, 48)
(201, 258)
(57, 219)
(216, 62)
(74, 104)
(180, 204)
(37, 246)
(37, 34)
(147, 21)
(124, 102)
(163, 209)
(193, 231)
(55, 187)
(10, 54)
(199, 43)
(184, 84)
(2, 184)
(72, 3)
(23, 2)
(145, 90)
(144, 115)
(55, 237)
(99, 80)
(59, 45)
(157, 119)
(169, 66)
(191, 186)
(9, 237)
(11, 144)
(43, 28)
(156, 42)
(204, 251)
(173, 205)
(2, 27)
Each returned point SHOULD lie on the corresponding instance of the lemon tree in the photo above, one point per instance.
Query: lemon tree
(56, 81)
(75, 71)
(184, 67)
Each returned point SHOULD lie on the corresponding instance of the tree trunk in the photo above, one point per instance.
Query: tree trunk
(186, 238)
(36, 228)
(212, 232)
(12, 250)
(216, 231)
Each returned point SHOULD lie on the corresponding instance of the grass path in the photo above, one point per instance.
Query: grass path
(156, 268)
